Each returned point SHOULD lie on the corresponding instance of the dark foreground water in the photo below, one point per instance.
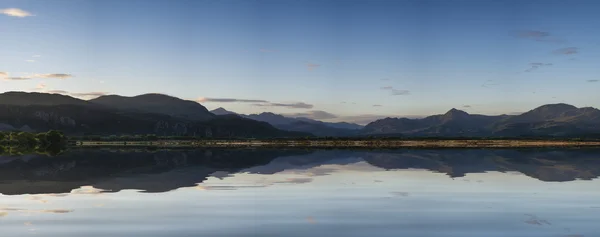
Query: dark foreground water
(262, 193)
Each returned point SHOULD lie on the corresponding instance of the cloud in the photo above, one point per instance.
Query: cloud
(295, 181)
(39, 76)
(376, 105)
(400, 92)
(315, 114)
(88, 94)
(299, 105)
(30, 61)
(265, 103)
(77, 94)
(36, 56)
(228, 100)
(489, 83)
(536, 35)
(268, 50)
(466, 106)
(17, 78)
(567, 51)
(53, 75)
(592, 80)
(385, 79)
(396, 91)
(311, 66)
(15, 12)
(40, 86)
(57, 92)
(3, 74)
(534, 66)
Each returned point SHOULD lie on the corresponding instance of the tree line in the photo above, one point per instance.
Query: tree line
(25, 142)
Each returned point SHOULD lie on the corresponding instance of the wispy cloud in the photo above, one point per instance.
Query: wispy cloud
(40, 86)
(489, 83)
(88, 94)
(534, 66)
(299, 105)
(30, 61)
(400, 92)
(567, 51)
(395, 91)
(85, 95)
(311, 66)
(228, 100)
(36, 56)
(592, 81)
(15, 12)
(385, 79)
(314, 114)
(53, 75)
(466, 106)
(298, 180)
(17, 78)
(376, 105)
(541, 36)
(57, 92)
(268, 50)
(39, 76)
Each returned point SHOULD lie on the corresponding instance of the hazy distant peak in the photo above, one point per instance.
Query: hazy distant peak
(221, 111)
(455, 111)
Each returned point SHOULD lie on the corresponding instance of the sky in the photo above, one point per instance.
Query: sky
(331, 60)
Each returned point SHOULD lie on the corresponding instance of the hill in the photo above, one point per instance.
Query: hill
(546, 120)
(156, 103)
(79, 117)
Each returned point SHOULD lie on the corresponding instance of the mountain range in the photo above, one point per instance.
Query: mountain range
(166, 115)
(117, 115)
(299, 124)
(547, 120)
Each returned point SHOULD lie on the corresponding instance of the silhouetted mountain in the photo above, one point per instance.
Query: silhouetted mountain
(80, 117)
(159, 171)
(302, 124)
(547, 120)
(156, 103)
(340, 125)
(162, 171)
(317, 129)
(221, 111)
(33, 98)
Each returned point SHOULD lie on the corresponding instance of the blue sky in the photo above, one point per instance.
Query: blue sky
(355, 60)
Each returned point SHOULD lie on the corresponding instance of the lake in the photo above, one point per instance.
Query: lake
(296, 192)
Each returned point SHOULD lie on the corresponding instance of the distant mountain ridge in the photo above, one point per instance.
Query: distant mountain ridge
(546, 120)
(166, 115)
(300, 124)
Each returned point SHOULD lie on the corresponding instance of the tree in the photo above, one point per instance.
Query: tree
(55, 138)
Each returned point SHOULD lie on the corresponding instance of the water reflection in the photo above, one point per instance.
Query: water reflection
(162, 171)
(292, 192)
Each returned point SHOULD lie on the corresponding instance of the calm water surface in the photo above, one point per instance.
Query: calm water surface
(446, 193)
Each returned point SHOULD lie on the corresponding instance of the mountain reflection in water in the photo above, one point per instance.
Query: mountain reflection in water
(163, 171)
(297, 192)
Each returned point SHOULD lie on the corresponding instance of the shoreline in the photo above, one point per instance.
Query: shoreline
(340, 143)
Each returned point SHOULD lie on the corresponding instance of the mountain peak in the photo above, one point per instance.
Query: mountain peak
(455, 112)
(222, 111)
(36, 98)
(554, 108)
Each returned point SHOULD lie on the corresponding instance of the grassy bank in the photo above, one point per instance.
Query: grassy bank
(343, 143)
